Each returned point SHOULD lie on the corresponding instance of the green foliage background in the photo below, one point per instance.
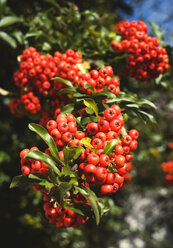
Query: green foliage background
(86, 26)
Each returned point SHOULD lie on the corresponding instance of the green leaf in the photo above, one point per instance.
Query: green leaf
(87, 142)
(61, 190)
(9, 20)
(82, 68)
(67, 109)
(67, 82)
(111, 146)
(80, 208)
(93, 200)
(43, 133)
(86, 120)
(90, 103)
(89, 110)
(171, 36)
(145, 102)
(18, 35)
(157, 31)
(23, 182)
(72, 153)
(32, 34)
(41, 156)
(7, 38)
(146, 116)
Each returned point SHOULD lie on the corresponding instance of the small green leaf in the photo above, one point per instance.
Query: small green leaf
(67, 82)
(9, 20)
(7, 38)
(93, 200)
(157, 31)
(171, 36)
(146, 116)
(41, 156)
(67, 109)
(23, 182)
(89, 110)
(90, 103)
(72, 153)
(61, 190)
(111, 146)
(80, 208)
(87, 142)
(82, 68)
(43, 133)
(145, 102)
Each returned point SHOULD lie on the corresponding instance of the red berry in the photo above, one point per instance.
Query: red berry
(110, 114)
(120, 160)
(110, 179)
(134, 133)
(67, 137)
(92, 127)
(90, 169)
(97, 143)
(101, 173)
(106, 189)
(104, 160)
(93, 158)
(103, 125)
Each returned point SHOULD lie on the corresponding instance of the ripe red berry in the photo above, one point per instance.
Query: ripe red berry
(115, 125)
(92, 127)
(79, 135)
(134, 133)
(97, 143)
(72, 127)
(93, 158)
(106, 189)
(90, 169)
(119, 150)
(120, 160)
(23, 153)
(67, 137)
(103, 125)
(118, 178)
(51, 125)
(110, 179)
(101, 173)
(110, 114)
(104, 160)
(115, 187)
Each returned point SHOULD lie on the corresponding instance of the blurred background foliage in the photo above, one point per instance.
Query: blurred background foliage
(87, 26)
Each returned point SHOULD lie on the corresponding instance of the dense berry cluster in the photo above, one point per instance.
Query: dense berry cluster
(147, 60)
(167, 167)
(40, 94)
(62, 216)
(29, 166)
(99, 169)
(34, 78)
(99, 80)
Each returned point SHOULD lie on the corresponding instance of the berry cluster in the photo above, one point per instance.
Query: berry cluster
(34, 77)
(67, 64)
(29, 166)
(99, 169)
(99, 80)
(62, 216)
(167, 167)
(103, 172)
(147, 59)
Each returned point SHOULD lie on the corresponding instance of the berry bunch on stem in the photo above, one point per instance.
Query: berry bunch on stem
(147, 59)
